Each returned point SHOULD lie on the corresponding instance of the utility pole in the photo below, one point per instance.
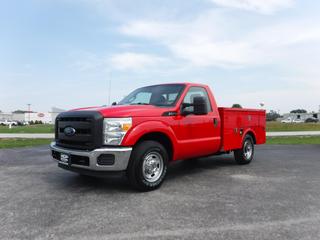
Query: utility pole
(29, 109)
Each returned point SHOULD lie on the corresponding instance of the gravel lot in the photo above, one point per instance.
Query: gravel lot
(276, 197)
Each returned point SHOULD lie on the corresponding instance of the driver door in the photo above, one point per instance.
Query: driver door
(199, 134)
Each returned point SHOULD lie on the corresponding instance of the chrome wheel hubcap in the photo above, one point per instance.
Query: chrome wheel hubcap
(152, 166)
(248, 150)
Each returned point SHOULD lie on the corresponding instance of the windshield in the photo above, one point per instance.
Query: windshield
(158, 95)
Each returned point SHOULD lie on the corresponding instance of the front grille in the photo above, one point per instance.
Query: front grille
(88, 130)
(79, 130)
(75, 119)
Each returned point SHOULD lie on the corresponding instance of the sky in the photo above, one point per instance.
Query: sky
(67, 53)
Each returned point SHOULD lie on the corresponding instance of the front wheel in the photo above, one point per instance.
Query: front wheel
(246, 153)
(148, 165)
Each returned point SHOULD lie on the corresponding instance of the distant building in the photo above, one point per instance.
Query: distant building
(5, 116)
(300, 116)
(45, 117)
(55, 112)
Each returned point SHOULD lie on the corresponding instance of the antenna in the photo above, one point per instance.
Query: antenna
(109, 88)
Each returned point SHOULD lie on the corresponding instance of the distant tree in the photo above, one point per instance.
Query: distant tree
(273, 115)
(236, 105)
(299, 111)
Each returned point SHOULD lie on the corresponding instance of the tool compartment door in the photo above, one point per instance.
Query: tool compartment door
(236, 122)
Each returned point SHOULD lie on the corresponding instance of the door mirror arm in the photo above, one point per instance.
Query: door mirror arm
(183, 106)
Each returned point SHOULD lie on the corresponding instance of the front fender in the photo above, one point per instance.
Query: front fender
(133, 136)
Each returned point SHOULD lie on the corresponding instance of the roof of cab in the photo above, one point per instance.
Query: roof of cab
(182, 83)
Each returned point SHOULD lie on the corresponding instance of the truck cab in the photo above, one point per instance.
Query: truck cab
(152, 127)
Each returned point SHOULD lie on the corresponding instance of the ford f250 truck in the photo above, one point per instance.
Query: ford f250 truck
(152, 127)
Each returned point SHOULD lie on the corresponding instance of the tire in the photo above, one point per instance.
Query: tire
(246, 153)
(147, 166)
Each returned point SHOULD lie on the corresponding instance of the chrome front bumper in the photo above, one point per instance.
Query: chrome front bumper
(121, 154)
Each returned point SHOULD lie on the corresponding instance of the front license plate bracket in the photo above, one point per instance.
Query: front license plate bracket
(65, 158)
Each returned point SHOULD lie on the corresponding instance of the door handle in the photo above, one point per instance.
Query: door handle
(215, 122)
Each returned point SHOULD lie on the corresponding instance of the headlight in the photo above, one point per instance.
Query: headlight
(114, 130)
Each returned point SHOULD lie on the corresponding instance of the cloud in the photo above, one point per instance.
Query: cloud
(206, 53)
(274, 99)
(134, 61)
(261, 6)
(87, 61)
(150, 29)
(207, 41)
(197, 41)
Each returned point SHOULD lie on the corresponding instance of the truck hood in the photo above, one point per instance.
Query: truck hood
(128, 110)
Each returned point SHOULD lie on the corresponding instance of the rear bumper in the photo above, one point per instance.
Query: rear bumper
(121, 158)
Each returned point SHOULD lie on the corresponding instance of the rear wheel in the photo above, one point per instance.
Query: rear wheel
(246, 153)
(148, 165)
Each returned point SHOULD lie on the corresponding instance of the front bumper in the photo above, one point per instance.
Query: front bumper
(121, 157)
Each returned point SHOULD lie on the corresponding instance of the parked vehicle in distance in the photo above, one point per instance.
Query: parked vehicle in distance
(297, 120)
(22, 123)
(312, 120)
(287, 120)
(8, 122)
(152, 127)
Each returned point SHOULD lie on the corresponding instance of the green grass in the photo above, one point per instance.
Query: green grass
(21, 142)
(39, 128)
(287, 127)
(294, 140)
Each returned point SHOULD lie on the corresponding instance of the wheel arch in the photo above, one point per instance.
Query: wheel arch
(252, 134)
(155, 131)
(161, 138)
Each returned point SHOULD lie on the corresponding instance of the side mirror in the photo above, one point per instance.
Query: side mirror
(200, 106)
(114, 103)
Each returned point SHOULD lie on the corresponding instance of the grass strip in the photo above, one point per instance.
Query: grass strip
(294, 140)
(39, 128)
(287, 127)
(22, 142)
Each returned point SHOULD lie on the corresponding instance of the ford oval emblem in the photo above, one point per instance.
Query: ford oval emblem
(69, 131)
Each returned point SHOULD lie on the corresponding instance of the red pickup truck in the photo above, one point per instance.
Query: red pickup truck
(152, 127)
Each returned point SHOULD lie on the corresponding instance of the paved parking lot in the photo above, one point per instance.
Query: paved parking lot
(276, 197)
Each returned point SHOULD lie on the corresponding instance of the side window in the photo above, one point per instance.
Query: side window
(196, 92)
